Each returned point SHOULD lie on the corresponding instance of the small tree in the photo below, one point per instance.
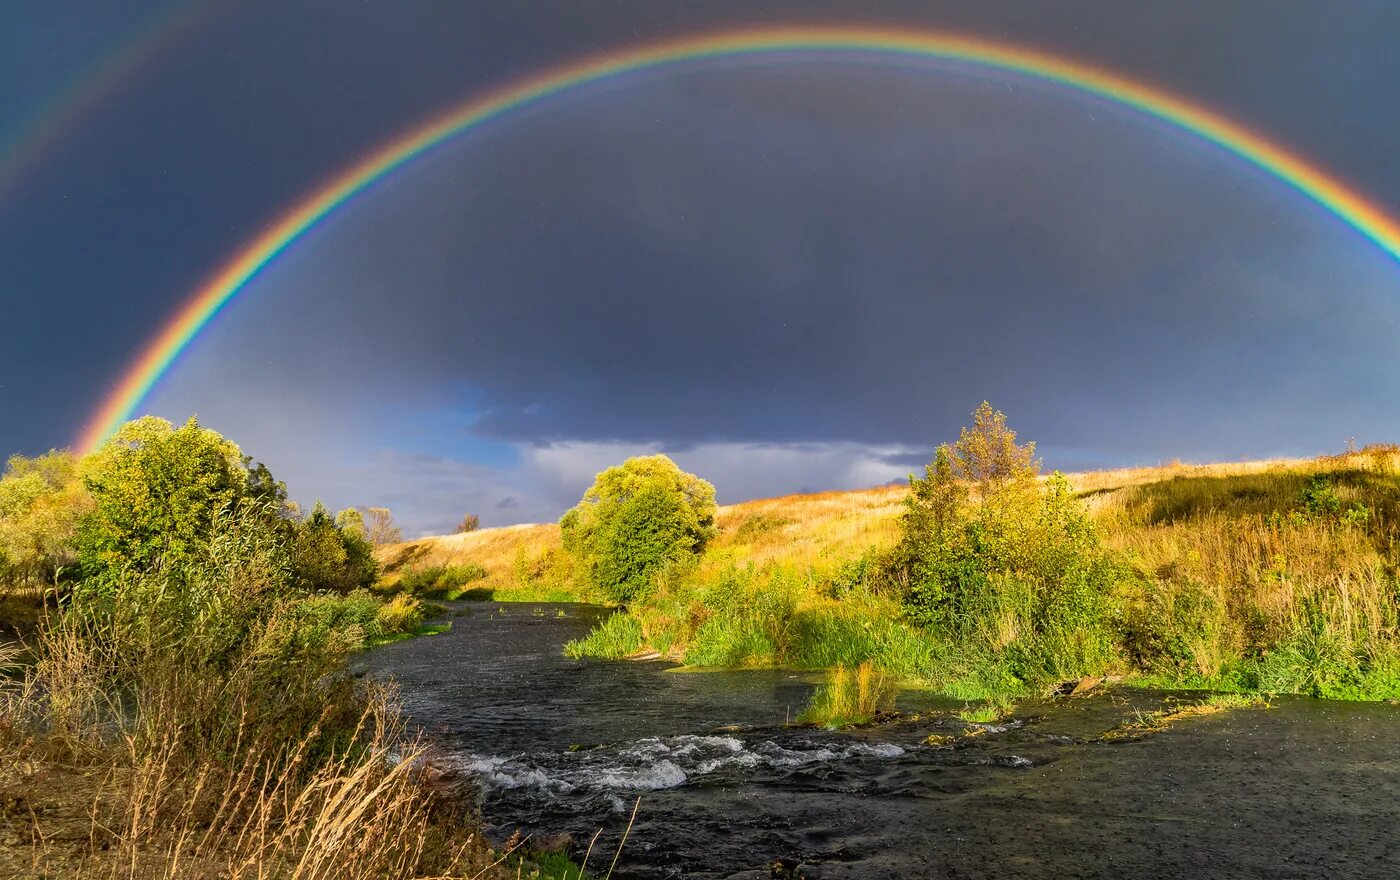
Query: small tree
(379, 527)
(329, 556)
(351, 520)
(979, 513)
(156, 491)
(635, 519)
(41, 500)
(470, 523)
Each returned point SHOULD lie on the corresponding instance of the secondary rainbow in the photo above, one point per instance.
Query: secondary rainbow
(65, 111)
(1313, 182)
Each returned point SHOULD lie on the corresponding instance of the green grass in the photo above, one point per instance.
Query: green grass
(427, 629)
(533, 592)
(551, 866)
(619, 636)
(988, 713)
(851, 697)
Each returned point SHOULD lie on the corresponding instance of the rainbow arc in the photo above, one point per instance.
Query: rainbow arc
(206, 302)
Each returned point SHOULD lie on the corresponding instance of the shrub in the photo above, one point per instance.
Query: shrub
(636, 519)
(402, 614)
(41, 500)
(156, 490)
(439, 581)
(329, 556)
(1005, 568)
(470, 523)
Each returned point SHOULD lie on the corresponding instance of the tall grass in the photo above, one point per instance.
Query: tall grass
(851, 696)
(1281, 581)
(619, 636)
(203, 719)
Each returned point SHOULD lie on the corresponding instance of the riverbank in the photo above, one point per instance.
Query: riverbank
(1275, 577)
(1119, 781)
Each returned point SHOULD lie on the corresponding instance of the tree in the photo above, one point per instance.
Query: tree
(635, 519)
(380, 528)
(351, 520)
(156, 490)
(41, 500)
(470, 523)
(327, 555)
(981, 512)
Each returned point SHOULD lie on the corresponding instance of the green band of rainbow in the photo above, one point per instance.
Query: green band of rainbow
(206, 302)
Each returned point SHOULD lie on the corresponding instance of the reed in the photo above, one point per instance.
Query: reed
(850, 697)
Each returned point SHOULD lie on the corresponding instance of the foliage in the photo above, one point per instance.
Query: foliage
(197, 696)
(156, 490)
(546, 576)
(1244, 577)
(1007, 568)
(329, 556)
(217, 707)
(439, 581)
(41, 500)
(352, 520)
(470, 523)
(636, 519)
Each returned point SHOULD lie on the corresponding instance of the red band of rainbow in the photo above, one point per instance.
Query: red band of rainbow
(205, 303)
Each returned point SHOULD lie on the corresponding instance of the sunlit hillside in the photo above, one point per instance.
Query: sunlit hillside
(824, 527)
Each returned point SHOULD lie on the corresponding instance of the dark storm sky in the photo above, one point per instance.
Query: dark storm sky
(792, 273)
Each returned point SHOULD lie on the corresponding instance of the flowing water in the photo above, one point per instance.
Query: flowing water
(553, 746)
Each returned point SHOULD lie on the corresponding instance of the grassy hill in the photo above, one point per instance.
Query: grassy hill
(517, 562)
(1274, 575)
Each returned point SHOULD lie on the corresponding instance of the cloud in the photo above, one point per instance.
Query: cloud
(794, 278)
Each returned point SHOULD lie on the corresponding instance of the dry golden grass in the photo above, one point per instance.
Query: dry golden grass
(496, 550)
(146, 812)
(794, 529)
(809, 528)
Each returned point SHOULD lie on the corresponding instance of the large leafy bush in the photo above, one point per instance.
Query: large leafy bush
(634, 520)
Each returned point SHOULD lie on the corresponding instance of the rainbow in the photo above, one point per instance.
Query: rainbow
(218, 290)
(64, 111)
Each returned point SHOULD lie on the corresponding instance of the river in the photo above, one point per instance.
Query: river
(550, 746)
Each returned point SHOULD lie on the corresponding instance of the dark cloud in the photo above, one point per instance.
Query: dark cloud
(796, 273)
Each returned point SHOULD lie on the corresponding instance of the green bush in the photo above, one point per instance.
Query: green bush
(41, 500)
(329, 555)
(208, 641)
(439, 581)
(402, 614)
(1003, 568)
(636, 519)
(156, 490)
